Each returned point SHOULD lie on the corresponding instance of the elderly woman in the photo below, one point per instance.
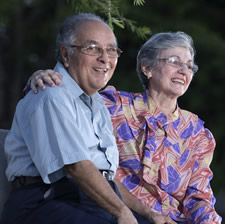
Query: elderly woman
(165, 152)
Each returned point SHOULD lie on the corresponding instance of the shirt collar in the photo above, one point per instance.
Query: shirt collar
(72, 86)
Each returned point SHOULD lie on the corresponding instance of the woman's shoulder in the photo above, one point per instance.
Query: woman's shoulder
(198, 125)
(188, 116)
(112, 91)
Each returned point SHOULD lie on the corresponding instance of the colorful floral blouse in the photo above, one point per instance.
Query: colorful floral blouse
(164, 160)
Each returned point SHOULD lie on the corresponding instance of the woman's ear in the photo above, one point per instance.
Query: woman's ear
(146, 70)
(64, 55)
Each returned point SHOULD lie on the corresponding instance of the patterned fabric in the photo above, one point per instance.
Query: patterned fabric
(164, 159)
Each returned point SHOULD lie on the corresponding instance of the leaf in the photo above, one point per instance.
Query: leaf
(139, 2)
(118, 22)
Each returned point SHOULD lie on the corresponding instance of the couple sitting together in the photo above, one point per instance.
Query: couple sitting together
(76, 155)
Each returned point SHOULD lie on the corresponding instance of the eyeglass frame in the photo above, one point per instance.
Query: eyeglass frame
(100, 50)
(194, 68)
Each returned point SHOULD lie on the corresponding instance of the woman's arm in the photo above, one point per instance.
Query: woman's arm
(140, 208)
(199, 201)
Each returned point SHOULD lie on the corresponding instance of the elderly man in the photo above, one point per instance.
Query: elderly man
(62, 156)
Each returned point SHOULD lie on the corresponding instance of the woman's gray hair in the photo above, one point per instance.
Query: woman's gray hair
(149, 52)
(68, 31)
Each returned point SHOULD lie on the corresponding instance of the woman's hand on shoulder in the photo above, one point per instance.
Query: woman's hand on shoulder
(42, 77)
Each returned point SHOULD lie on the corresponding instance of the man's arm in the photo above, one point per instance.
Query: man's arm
(90, 180)
(140, 208)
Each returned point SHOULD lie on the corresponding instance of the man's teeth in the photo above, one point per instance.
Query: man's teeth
(101, 69)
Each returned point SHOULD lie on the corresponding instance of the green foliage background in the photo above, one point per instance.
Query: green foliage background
(27, 40)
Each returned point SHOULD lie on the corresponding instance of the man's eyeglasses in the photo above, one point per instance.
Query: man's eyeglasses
(175, 61)
(95, 50)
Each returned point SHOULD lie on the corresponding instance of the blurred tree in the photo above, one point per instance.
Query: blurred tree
(25, 25)
(110, 10)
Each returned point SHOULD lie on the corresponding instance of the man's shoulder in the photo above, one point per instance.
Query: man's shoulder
(31, 102)
(43, 95)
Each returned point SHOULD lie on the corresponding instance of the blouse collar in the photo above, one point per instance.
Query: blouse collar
(155, 112)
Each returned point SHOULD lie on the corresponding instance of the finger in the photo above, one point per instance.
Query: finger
(48, 79)
(33, 80)
(37, 82)
(33, 87)
(43, 76)
(54, 76)
(53, 73)
(41, 84)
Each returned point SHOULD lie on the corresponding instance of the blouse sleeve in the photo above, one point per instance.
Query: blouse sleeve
(199, 201)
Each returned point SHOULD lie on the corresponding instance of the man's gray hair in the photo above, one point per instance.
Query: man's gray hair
(151, 49)
(67, 33)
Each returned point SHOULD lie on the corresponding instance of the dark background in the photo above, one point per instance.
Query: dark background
(27, 40)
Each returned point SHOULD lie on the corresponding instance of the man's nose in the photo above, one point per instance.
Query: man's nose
(104, 56)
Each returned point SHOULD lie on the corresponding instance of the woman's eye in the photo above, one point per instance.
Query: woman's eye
(174, 61)
(112, 49)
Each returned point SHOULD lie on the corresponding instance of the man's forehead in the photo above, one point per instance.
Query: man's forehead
(95, 32)
(93, 26)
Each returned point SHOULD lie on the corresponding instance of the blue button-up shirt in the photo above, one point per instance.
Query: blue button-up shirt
(57, 127)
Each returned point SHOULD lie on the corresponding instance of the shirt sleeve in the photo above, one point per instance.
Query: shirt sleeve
(54, 139)
(199, 202)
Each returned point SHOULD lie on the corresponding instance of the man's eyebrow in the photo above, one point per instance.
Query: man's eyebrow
(91, 42)
(96, 42)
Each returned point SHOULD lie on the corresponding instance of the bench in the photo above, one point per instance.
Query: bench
(4, 184)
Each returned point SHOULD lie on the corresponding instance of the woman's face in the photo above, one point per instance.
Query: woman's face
(172, 80)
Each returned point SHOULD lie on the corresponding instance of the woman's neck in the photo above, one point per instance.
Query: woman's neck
(166, 104)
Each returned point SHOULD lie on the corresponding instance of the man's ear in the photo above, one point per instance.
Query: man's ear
(64, 56)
